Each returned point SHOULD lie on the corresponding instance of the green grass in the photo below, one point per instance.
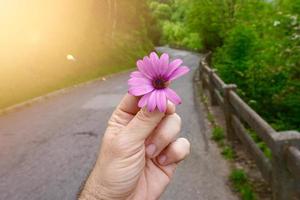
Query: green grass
(218, 134)
(241, 184)
(228, 153)
(204, 99)
(237, 177)
(210, 118)
(260, 143)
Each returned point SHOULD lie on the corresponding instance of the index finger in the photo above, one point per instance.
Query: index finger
(129, 105)
(128, 108)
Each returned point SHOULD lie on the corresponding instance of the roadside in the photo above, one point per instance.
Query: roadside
(244, 178)
(59, 91)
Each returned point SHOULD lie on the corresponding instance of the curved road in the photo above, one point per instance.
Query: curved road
(48, 149)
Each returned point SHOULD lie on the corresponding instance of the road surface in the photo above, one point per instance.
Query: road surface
(48, 149)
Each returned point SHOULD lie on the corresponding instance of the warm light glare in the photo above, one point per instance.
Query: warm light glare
(36, 39)
(71, 57)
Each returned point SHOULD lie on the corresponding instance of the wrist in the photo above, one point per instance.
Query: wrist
(95, 189)
(91, 192)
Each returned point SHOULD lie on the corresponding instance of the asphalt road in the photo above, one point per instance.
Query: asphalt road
(48, 149)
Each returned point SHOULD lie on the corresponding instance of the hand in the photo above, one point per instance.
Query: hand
(139, 153)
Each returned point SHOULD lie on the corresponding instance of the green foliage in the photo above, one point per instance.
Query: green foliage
(247, 193)
(192, 41)
(177, 35)
(291, 5)
(160, 10)
(218, 134)
(255, 44)
(228, 152)
(209, 19)
(238, 177)
(232, 59)
(171, 17)
(240, 183)
(261, 145)
(265, 149)
(210, 118)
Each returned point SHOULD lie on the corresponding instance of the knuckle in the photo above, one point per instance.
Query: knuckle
(186, 144)
(143, 116)
(119, 118)
(149, 117)
(146, 114)
(116, 144)
(178, 154)
(177, 120)
(167, 132)
(124, 146)
(163, 138)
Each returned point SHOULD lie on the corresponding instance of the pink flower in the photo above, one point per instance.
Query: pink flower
(152, 81)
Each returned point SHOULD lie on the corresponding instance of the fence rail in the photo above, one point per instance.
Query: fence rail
(282, 171)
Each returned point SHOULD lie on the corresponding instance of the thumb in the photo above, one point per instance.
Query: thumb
(142, 125)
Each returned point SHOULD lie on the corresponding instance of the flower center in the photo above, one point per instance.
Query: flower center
(160, 83)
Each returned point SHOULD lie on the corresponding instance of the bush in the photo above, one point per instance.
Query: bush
(161, 11)
(233, 59)
(255, 44)
(192, 41)
(171, 16)
(261, 57)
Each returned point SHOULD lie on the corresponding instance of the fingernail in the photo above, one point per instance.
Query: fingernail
(150, 149)
(162, 159)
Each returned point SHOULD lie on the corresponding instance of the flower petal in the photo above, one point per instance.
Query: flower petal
(138, 81)
(143, 68)
(172, 96)
(154, 57)
(143, 101)
(149, 67)
(164, 63)
(173, 66)
(140, 90)
(155, 62)
(161, 100)
(151, 104)
(137, 74)
(179, 72)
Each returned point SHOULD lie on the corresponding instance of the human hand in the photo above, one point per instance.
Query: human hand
(139, 153)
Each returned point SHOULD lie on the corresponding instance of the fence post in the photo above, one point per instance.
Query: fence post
(228, 111)
(284, 184)
(211, 88)
(201, 74)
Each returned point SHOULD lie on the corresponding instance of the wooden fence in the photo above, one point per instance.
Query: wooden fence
(282, 171)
